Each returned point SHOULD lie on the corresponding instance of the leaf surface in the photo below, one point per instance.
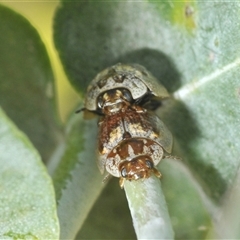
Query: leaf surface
(77, 179)
(27, 88)
(27, 198)
(193, 49)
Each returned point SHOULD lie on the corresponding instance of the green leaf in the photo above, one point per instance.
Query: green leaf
(27, 199)
(109, 217)
(148, 209)
(77, 179)
(184, 198)
(227, 226)
(189, 209)
(183, 44)
(26, 81)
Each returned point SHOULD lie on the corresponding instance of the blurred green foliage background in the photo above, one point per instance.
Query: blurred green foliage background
(40, 14)
(206, 118)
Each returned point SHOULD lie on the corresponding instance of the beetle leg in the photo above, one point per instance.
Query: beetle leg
(80, 110)
(121, 182)
(138, 109)
(106, 178)
(156, 173)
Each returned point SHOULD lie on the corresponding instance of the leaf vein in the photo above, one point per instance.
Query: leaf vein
(187, 89)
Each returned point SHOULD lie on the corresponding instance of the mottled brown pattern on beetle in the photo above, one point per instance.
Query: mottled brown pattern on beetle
(114, 127)
(123, 149)
(136, 144)
(108, 125)
(139, 124)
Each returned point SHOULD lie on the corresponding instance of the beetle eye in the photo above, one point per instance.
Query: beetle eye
(127, 95)
(100, 102)
(149, 164)
(124, 173)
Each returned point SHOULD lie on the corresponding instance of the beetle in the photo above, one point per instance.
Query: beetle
(141, 84)
(132, 140)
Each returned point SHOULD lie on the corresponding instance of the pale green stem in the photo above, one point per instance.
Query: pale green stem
(148, 209)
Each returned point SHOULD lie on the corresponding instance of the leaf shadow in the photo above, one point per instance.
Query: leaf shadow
(186, 133)
(158, 63)
(179, 119)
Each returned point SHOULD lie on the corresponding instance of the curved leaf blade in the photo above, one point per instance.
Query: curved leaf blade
(87, 44)
(90, 36)
(27, 199)
(228, 221)
(77, 179)
(214, 108)
(189, 207)
(26, 81)
(109, 216)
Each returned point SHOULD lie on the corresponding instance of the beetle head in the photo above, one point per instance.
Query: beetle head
(140, 167)
(114, 100)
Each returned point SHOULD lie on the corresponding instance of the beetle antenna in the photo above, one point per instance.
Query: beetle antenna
(106, 178)
(80, 110)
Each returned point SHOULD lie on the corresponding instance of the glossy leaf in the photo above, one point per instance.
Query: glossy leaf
(26, 81)
(27, 199)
